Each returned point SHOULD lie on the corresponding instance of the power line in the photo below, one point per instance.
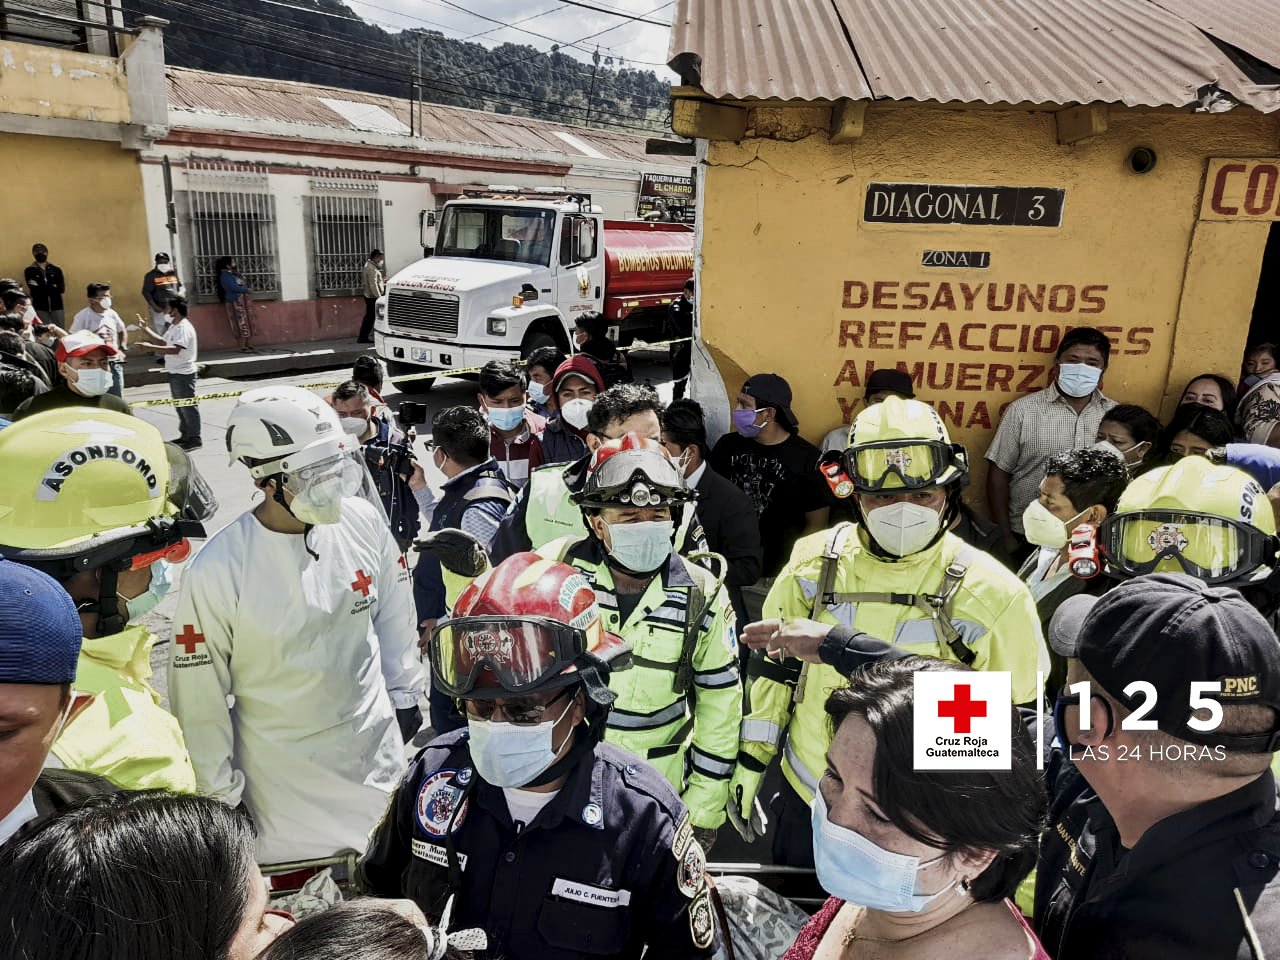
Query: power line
(618, 13)
(290, 31)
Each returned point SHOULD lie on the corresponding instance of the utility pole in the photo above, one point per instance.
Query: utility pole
(591, 90)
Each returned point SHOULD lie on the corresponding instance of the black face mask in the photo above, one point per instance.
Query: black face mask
(41, 257)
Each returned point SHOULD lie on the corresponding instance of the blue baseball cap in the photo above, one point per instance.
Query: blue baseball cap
(40, 632)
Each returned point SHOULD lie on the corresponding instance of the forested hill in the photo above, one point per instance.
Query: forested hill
(323, 41)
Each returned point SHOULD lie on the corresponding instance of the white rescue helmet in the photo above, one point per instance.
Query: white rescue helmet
(284, 429)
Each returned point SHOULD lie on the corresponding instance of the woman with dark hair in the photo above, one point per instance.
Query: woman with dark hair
(1194, 430)
(920, 863)
(365, 930)
(147, 876)
(1133, 432)
(235, 293)
(1212, 390)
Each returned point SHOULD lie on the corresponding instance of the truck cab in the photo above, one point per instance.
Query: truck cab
(509, 274)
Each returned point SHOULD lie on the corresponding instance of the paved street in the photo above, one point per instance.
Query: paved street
(231, 484)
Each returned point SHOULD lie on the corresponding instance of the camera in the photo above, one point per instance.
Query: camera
(412, 413)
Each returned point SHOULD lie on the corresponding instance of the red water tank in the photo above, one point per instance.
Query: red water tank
(646, 258)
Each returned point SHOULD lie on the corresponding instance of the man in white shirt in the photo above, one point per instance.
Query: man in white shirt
(301, 611)
(40, 638)
(99, 318)
(179, 349)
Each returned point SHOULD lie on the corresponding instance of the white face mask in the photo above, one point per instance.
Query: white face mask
(355, 426)
(93, 383)
(903, 528)
(513, 754)
(1043, 529)
(164, 267)
(575, 412)
(105, 303)
(642, 547)
(1078, 379)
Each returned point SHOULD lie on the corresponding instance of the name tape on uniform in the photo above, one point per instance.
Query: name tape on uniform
(585, 893)
(434, 853)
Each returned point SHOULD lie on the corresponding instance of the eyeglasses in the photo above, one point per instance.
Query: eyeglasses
(519, 713)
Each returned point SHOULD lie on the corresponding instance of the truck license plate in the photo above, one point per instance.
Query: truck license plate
(420, 353)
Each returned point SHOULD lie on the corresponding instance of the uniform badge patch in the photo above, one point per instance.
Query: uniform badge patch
(691, 870)
(1167, 536)
(438, 796)
(702, 926)
(731, 637)
(592, 814)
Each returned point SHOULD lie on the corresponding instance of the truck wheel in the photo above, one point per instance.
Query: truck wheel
(421, 385)
(536, 341)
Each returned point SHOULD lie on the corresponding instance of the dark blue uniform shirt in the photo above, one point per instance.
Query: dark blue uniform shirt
(606, 869)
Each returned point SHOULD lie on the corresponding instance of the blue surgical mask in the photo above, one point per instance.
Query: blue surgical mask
(505, 418)
(513, 754)
(1078, 379)
(642, 547)
(854, 869)
(139, 606)
(537, 392)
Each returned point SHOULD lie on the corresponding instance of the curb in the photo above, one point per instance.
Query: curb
(269, 361)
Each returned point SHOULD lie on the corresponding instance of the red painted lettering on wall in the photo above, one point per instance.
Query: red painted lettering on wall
(1220, 189)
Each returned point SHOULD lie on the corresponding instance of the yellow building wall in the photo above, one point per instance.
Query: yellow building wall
(40, 81)
(793, 281)
(83, 200)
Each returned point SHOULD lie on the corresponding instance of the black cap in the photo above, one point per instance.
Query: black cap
(161, 256)
(770, 390)
(891, 379)
(1172, 630)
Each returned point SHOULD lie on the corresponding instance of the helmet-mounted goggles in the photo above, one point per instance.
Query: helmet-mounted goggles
(500, 656)
(908, 464)
(1211, 548)
(635, 478)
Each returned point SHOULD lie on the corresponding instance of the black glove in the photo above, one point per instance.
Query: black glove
(410, 720)
(457, 551)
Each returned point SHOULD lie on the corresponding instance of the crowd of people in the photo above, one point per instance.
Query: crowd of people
(620, 631)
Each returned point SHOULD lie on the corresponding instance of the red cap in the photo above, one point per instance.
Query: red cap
(580, 366)
(80, 343)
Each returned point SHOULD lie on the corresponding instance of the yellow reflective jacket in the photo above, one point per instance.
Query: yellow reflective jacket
(691, 737)
(124, 734)
(991, 610)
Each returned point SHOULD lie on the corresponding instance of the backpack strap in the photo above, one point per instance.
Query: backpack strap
(699, 603)
(838, 537)
(936, 606)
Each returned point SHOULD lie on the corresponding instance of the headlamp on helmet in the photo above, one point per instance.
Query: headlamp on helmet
(633, 471)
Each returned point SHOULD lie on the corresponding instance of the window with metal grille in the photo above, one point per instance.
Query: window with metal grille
(62, 23)
(237, 225)
(344, 230)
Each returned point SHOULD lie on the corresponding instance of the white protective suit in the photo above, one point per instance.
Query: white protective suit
(285, 671)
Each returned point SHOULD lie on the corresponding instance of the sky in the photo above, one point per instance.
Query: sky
(539, 23)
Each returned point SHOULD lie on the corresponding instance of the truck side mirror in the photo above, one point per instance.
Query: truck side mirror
(586, 241)
(528, 292)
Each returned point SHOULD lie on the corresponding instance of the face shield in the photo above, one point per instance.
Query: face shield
(318, 479)
(1211, 548)
(889, 465)
(502, 656)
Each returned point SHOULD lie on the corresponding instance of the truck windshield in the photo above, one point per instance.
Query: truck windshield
(517, 234)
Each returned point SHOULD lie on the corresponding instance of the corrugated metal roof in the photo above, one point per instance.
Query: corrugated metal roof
(285, 102)
(1134, 52)
(1249, 25)
(783, 49)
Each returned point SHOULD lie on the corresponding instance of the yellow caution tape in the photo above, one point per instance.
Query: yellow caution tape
(403, 378)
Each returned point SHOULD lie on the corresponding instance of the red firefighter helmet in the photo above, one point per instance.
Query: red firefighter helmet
(523, 626)
(633, 471)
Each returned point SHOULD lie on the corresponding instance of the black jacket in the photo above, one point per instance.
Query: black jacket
(1197, 886)
(606, 869)
(728, 519)
(45, 286)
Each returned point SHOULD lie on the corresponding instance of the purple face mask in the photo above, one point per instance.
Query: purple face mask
(744, 421)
